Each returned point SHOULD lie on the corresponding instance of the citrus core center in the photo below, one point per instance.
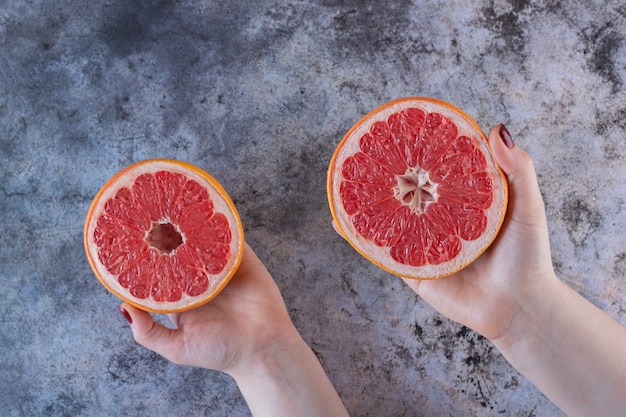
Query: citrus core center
(415, 189)
(164, 237)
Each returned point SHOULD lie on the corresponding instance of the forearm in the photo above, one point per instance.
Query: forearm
(573, 352)
(290, 383)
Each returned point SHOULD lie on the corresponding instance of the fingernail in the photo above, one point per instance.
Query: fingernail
(506, 137)
(126, 315)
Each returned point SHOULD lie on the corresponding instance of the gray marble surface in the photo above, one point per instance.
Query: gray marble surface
(259, 94)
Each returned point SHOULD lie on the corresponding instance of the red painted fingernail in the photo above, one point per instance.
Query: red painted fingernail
(506, 137)
(126, 315)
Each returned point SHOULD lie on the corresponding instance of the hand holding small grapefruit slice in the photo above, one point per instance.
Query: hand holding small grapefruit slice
(164, 236)
(414, 188)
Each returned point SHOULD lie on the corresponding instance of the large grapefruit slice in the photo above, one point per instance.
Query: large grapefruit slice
(414, 188)
(163, 235)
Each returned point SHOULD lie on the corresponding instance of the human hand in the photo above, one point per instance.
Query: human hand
(246, 319)
(571, 350)
(246, 332)
(516, 272)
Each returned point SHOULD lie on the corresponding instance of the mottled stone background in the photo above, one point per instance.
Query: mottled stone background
(259, 93)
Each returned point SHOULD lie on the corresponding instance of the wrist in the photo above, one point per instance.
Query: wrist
(270, 361)
(287, 380)
(533, 317)
(571, 350)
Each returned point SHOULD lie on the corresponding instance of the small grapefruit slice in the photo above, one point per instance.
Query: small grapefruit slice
(413, 187)
(163, 235)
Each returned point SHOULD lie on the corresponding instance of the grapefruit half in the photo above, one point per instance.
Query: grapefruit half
(163, 235)
(414, 188)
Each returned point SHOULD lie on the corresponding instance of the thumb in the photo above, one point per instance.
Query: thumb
(149, 333)
(524, 195)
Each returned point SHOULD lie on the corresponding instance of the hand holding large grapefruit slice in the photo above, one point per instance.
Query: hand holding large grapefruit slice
(414, 188)
(163, 235)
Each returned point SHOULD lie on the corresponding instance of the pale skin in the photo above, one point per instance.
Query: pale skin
(246, 332)
(571, 350)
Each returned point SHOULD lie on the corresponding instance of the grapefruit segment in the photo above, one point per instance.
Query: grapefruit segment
(146, 195)
(170, 186)
(163, 235)
(361, 168)
(414, 188)
(358, 196)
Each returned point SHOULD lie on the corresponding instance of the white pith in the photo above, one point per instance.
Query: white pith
(380, 254)
(412, 188)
